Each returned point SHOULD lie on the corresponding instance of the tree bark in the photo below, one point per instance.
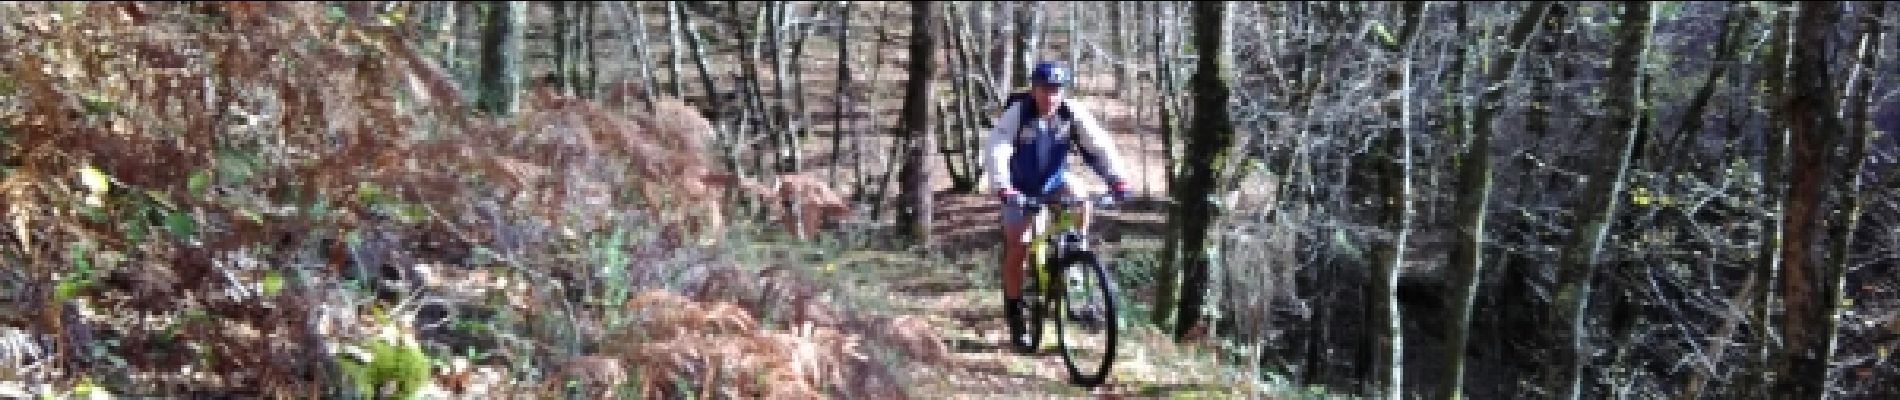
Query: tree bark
(1073, 38)
(1209, 143)
(570, 29)
(788, 160)
(753, 93)
(801, 35)
(1601, 195)
(877, 195)
(1849, 183)
(1124, 76)
(1474, 197)
(649, 84)
(696, 44)
(914, 209)
(563, 57)
(843, 91)
(962, 159)
(448, 35)
(1395, 153)
(985, 53)
(675, 49)
(1170, 274)
(952, 147)
(1028, 14)
(1808, 283)
(501, 55)
(590, 86)
(1773, 199)
(713, 106)
(1168, 48)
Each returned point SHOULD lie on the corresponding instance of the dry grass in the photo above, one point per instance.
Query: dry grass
(286, 182)
(276, 142)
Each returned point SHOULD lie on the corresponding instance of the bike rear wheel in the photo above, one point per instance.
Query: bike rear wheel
(1086, 320)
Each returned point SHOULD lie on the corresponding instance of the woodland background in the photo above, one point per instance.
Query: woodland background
(779, 199)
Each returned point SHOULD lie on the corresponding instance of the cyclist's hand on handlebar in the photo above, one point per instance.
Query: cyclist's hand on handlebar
(1118, 191)
(1011, 197)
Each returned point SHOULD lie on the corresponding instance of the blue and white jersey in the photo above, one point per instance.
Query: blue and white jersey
(1033, 157)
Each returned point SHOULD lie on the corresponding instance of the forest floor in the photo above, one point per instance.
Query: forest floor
(952, 286)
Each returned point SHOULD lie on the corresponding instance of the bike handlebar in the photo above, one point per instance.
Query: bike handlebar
(1100, 199)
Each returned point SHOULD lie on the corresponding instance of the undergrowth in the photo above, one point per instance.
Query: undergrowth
(270, 199)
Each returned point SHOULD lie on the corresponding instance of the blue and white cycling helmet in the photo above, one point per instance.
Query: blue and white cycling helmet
(1049, 73)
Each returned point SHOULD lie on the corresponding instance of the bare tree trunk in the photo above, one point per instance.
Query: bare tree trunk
(961, 158)
(676, 48)
(591, 86)
(1808, 283)
(1028, 14)
(501, 55)
(954, 147)
(844, 84)
(649, 84)
(1774, 195)
(914, 209)
(563, 53)
(449, 36)
(877, 74)
(1395, 153)
(801, 35)
(1118, 18)
(1002, 51)
(984, 57)
(1602, 194)
(569, 30)
(571, 41)
(1474, 198)
(1171, 108)
(714, 107)
(751, 72)
(1170, 274)
(1849, 183)
(697, 45)
(1212, 140)
(1073, 38)
(788, 159)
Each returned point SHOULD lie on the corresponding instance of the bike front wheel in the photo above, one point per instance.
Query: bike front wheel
(1086, 320)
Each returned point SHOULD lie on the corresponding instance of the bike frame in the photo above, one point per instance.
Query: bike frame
(1052, 219)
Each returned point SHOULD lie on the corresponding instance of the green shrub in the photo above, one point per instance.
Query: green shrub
(394, 368)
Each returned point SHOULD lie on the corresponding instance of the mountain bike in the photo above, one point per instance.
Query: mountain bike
(1087, 327)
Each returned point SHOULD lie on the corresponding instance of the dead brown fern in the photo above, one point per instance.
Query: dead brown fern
(717, 348)
(595, 377)
(243, 116)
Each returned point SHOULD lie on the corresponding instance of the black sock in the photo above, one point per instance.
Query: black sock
(1018, 328)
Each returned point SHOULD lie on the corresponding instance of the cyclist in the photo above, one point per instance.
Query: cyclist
(1027, 154)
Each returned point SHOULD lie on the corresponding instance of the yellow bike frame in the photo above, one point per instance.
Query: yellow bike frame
(1040, 229)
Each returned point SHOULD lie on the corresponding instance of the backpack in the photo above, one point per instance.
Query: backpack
(1062, 110)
